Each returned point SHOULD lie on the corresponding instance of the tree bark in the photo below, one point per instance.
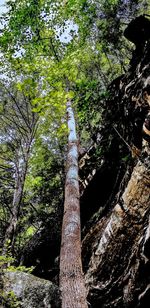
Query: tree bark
(71, 276)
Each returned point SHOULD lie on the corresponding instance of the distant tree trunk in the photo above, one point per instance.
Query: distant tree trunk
(71, 276)
(20, 175)
(18, 124)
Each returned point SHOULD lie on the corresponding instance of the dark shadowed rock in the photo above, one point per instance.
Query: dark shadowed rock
(138, 30)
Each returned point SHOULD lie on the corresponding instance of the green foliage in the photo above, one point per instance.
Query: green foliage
(126, 158)
(22, 268)
(7, 264)
(30, 231)
(9, 300)
(33, 182)
(5, 260)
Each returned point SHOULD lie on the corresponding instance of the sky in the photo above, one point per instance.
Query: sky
(64, 37)
(2, 6)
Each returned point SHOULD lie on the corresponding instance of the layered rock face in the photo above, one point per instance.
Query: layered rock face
(119, 267)
(117, 247)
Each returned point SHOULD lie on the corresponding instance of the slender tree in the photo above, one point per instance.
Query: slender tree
(71, 276)
(18, 127)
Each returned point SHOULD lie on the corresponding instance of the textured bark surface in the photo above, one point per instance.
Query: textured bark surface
(72, 284)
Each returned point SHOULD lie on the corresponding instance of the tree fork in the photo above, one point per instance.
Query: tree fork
(72, 284)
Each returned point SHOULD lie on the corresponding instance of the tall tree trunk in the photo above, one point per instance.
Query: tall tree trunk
(71, 276)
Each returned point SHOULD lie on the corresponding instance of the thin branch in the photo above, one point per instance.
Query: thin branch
(19, 126)
(9, 208)
(17, 105)
(129, 147)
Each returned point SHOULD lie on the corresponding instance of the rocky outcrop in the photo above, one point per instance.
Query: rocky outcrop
(29, 291)
(119, 256)
(116, 248)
